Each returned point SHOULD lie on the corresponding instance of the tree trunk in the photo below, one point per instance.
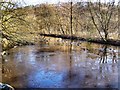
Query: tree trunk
(106, 36)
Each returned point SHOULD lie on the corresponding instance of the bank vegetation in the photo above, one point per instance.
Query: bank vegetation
(21, 25)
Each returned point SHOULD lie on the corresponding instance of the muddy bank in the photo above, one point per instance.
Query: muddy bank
(109, 41)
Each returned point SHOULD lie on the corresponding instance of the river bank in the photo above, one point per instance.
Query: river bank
(8, 44)
(97, 40)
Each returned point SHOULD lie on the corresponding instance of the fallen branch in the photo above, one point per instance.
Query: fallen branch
(100, 41)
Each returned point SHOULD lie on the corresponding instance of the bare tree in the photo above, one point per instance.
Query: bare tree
(12, 16)
(101, 15)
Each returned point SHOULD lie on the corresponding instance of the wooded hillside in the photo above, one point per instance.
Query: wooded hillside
(22, 25)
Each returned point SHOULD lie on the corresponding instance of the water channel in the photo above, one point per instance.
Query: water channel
(64, 64)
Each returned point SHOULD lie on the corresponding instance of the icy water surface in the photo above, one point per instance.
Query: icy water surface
(80, 65)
